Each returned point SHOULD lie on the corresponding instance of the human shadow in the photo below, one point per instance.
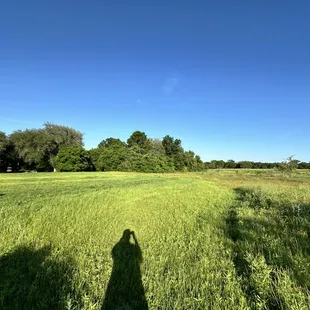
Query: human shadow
(31, 279)
(125, 288)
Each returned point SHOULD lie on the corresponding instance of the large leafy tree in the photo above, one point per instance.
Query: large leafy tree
(3, 141)
(216, 164)
(230, 164)
(8, 155)
(111, 153)
(32, 146)
(133, 160)
(173, 149)
(156, 147)
(189, 160)
(59, 136)
(73, 158)
(137, 138)
(111, 142)
(94, 154)
(63, 135)
(304, 165)
(149, 162)
(192, 162)
(246, 164)
(38, 147)
(172, 146)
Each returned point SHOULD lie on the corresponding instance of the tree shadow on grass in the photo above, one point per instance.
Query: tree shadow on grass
(277, 231)
(31, 279)
(288, 223)
(242, 266)
(125, 289)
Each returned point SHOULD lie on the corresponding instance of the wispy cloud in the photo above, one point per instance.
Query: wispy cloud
(170, 84)
(285, 136)
(19, 121)
(139, 102)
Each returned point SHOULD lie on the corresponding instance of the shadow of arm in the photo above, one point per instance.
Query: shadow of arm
(139, 252)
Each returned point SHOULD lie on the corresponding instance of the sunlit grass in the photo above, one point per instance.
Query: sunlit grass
(215, 240)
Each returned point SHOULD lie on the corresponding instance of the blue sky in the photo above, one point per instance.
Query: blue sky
(231, 79)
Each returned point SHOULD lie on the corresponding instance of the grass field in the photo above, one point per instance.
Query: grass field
(215, 240)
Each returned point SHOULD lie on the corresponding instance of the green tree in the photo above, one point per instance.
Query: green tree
(288, 166)
(230, 164)
(132, 160)
(32, 146)
(94, 154)
(192, 162)
(216, 164)
(172, 146)
(149, 162)
(199, 165)
(3, 141)
(38, 147)
(138, 138)
(111, 142)
(58, 136)
(73, 158)
(189, 160)
(4, 146)
(109, 154)
(63, 135)
(112, 153)
(156, 147)
(173, 149)
(179, 161)
(246, 164)
(303, 165)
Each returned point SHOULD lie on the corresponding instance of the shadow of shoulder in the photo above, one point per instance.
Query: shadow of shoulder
(31, 278)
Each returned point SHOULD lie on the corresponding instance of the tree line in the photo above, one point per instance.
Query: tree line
(231, 164)
(61, 148)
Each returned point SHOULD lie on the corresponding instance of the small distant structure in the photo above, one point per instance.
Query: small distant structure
(9, 169)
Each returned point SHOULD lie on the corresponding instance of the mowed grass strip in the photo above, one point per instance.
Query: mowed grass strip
(63, 245)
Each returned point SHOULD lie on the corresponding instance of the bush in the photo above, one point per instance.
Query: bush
(73, 158)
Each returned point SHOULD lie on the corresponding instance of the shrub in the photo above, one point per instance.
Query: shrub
(73, 158)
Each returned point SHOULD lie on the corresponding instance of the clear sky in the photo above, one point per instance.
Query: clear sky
(231, 79)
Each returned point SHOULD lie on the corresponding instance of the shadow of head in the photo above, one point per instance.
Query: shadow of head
(31, 279)
(126, 235)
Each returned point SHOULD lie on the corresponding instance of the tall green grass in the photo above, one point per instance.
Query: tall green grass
(202, 241)
(270, 230)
